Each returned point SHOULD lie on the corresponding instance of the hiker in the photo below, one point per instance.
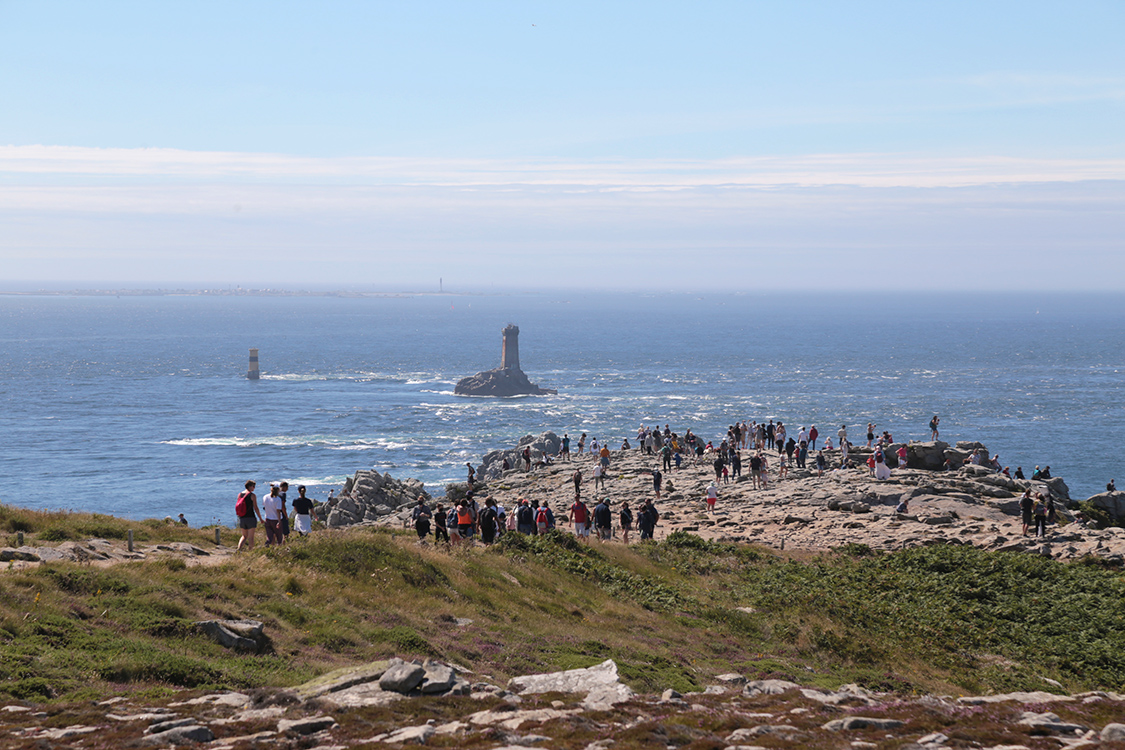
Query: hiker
(441, 528)
(603, 520)
(712, 497)
(648, 520)
(626, 519)
(580, 518)
(272, 509)
(525, 517)
(421, 515)
(303, 512)
(246, 508)
(488, 520)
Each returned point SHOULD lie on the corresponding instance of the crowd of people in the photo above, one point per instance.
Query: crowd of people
(468, 519)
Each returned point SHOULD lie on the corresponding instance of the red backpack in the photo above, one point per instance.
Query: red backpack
(240, 504)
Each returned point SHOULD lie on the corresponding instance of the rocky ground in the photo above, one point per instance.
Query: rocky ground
(396, 703)
(803, 511)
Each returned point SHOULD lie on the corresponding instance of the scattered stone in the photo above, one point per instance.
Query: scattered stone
(1050, 723)
(181, 736)
(402, 677)
(407, 735)
(1113, 733)
(242, 635)
(768, 687)
(306, 726)
(861, 722)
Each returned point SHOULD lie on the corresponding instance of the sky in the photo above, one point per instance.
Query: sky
(527, 145)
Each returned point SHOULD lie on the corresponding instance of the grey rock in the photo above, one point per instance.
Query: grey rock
(229, 633)
(437, 678)
(306, 726)
(732, 678)
(342, 679)
(163, 726)
(930, 455)
(1050, 723)
(24, 554)
(1113, 733)
(402, 677)
(181, 736)
(861, 722)
(670, 694)
(768, 687)
(605, 697)
(418, 735)
(1111, 502)
(570, 681)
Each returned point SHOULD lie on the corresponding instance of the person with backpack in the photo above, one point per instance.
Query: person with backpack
(488, 521)
(525, 518)
(246, 508)
(626, 518)
(603, 520)
(542, 518)
(580, 517)
(1040, 515)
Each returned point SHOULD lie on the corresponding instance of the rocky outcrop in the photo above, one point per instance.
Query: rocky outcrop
(545, 444)
(500, 382)
(507, 379)
(240, 635)
(775, 713)
(369, 496)
(1112, 503)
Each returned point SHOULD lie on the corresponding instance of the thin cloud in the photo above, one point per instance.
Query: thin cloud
(63, 165)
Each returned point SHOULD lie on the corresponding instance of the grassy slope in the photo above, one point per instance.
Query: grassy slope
(946, 619)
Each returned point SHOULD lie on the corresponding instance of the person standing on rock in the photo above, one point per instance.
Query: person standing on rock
(820, 463)
(599, 477)
(249, 517)
(755, 470)
(712, 497)
(527, 458)
(842, 434)
(770, 432)
(565, 450)
(581, 443)
(605, 456)
(779, 437)
(472, 474)
(933, 427)
(902, 457)
(1039, 514)
(764, 472)
(844, 445)
(657, 478)
(576, 477)
(813, 435)
(666, 457)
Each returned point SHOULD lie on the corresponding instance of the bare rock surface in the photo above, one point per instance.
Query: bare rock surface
(736, 713)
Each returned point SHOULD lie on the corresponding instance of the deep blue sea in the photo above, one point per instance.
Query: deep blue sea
(139, 406)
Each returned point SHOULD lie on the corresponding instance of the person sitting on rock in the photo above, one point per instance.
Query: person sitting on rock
(1046, 474)
(1037, 474)
(1019, 472)
(1111, 487)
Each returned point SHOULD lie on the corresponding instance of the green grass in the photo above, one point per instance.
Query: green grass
(948, 619)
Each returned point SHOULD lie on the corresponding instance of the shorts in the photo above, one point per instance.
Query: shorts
(604, 532)
(1026, 519)
(581, 529)
(711, 501)
(248, 522)
(465, 529)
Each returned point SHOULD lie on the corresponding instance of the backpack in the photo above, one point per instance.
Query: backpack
(541, 517)
(240, 504)
(525, 515)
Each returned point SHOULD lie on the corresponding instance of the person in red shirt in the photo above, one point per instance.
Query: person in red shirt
(580, 517)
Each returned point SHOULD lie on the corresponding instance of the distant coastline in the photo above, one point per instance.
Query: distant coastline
(238, 292)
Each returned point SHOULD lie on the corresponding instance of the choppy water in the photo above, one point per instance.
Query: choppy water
(139, 406)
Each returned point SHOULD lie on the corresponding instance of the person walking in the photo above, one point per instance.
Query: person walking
(626, 519)
(933, 427)
(246, 508)
(304, 513)
(271, 508)
(712, 497)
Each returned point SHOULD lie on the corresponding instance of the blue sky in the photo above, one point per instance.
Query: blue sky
(532, 144)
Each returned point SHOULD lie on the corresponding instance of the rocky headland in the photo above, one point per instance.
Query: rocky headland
(971, 505)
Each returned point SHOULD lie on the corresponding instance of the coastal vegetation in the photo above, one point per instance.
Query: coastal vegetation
(672, 614)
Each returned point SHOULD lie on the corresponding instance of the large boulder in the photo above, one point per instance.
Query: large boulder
(503, 381)
(544, 444)
(929, 455)
(1111, 502)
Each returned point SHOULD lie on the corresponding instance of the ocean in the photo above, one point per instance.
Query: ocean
(138, 406)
